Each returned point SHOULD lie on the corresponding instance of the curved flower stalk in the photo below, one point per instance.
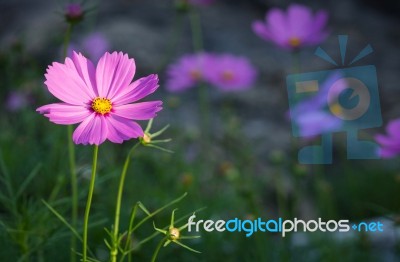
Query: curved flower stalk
(102, 100)
(173, 234)
(146, 140)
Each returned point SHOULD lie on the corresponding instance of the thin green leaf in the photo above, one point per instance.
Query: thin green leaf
(144, 209)
(156, 134)
(28, 180)
(62, 219)
(160, 148)
(149, 124)
(6, 180)
(159, 210)
(161, 141)
(185, 246)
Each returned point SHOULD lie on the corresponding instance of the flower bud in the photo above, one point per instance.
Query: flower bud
(74, 13)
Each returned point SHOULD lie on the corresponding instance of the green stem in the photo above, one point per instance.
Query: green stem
(197, 34)
(67, 39)
(114, 249)
(173, 43)
(204, 111)
(71, 156)
(280, 195)
(155, 254)
(74, 190)
(203, 98)
(296, 61)
(89, 202)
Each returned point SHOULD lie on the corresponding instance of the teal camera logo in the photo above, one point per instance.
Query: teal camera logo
(344, 99)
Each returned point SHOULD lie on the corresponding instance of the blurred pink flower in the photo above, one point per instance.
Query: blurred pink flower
(311, 115)
(100, 98)
(314, 123)
(390, 143)
(296, 28)
(17, 100)
(231, 73)
(188, 71)
(93, 46)
(226, 72)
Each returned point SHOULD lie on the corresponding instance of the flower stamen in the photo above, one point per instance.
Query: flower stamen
(294, 42)
(227, 75)
(102, 105)
(195, 75)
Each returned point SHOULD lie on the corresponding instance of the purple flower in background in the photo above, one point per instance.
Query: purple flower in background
(390, 143)
(17, 100)
(296, 28)
(312, 116)
(231, 73)
(313, 123)
(188, 71)
(92, 46)
(319, 100)
(74, 13)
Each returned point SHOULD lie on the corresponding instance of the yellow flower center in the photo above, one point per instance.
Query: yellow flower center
(101, 105)
(174, 233)
(227, 75)
(294, 41)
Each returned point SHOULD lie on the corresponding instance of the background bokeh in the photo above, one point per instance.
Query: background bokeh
(251, 169)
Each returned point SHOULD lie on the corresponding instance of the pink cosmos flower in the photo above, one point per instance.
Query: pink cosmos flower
(100, 98)
(296, 28)
(390, 143)
(187, 71)
(231, 73)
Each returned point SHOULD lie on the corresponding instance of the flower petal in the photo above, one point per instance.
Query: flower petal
(114, 72)
(299, 21)
(93, 130)
(65, 83)
(320, 20)
(121, 128)
(137, 90)
(139, 111)
(388, 152)
(64, 114)
(393, 128)
(85, 68)
(383, 140)
(278, 26)
(260, 29)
